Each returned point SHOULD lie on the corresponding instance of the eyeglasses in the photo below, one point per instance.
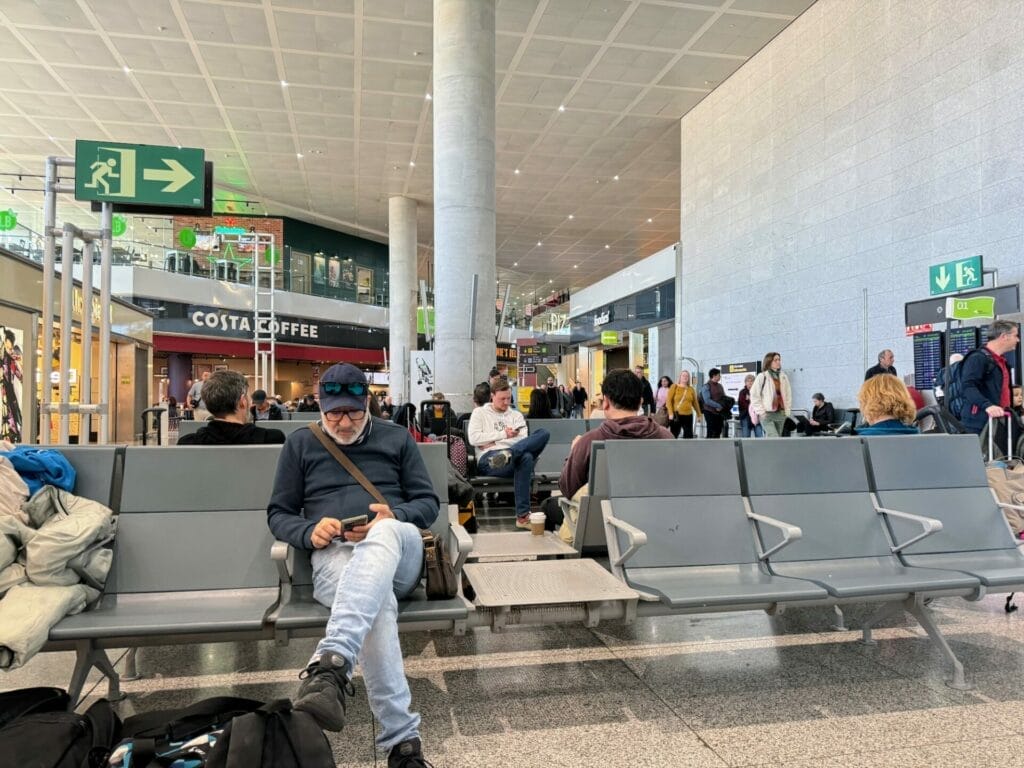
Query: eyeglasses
(336, 388)
(353, 416)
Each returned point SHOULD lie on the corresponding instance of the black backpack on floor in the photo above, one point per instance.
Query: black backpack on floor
(38, 731)
(274, 736)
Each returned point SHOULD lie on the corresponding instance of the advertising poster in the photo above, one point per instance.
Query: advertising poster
(733, 375)
(319, 273)
(334, 272)
(11, 383)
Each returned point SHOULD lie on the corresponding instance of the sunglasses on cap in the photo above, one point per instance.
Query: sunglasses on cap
(337, 388)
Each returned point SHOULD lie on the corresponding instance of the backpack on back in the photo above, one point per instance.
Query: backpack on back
(39, 731)
(953, 391)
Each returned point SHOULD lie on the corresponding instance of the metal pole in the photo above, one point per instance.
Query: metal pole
(49, 277)
(85, 420)
(67, 278)
(106, 257)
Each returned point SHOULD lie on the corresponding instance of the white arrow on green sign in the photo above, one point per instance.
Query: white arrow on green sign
(139, 174)
(959, 275)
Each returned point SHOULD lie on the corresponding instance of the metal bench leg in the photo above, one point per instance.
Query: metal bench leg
(131, 669)
(884, 611)
(925, 619)
(88, 656)
(102, 662)
(840, 625)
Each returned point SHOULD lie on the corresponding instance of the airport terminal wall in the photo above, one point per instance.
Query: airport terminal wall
(864, 143)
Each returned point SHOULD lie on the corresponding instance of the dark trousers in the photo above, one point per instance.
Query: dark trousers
(715, 424)
(684, 423)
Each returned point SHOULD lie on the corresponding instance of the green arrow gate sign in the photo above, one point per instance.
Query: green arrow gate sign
(139, 174)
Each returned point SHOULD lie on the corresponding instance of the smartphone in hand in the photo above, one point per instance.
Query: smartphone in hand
(351, 522)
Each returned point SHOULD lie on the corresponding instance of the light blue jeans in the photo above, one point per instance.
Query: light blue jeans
(362, 585)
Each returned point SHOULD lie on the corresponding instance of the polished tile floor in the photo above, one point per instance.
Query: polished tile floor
(717, 690)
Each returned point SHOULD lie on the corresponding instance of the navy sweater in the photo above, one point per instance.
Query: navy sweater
(311, 484)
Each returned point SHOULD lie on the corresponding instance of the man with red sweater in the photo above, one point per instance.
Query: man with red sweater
(623, 392)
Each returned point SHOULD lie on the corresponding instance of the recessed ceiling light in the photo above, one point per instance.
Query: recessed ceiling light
(412, 164)
(550, 282)
(515, 263)
(615, 177)
(650, 221)
(298, 155)
(571, 216)
(127, 69)
(516, 171)
(575, 266)
(284, 83)
(539, 243)
(561, 107)
(428, 97)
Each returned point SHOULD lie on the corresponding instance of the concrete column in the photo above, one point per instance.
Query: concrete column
(402, 292)
(464, 195)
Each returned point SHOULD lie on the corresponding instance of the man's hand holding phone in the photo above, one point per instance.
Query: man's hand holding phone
(358, 532)
(326, 530)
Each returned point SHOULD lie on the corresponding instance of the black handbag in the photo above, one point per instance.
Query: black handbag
(437, 566)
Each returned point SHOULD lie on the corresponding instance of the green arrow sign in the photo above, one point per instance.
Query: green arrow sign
(8, 220)
(960, 275)
(971, 309)
(139, 174)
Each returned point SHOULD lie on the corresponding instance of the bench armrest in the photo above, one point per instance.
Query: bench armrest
(1005, 505)
(790, 533)
(637, 538)
(929, 524)
(279, 554)
(463, 544)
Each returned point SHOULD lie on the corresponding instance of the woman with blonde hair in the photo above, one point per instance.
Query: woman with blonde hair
(683, 406)
(771, 397)
(886, 406)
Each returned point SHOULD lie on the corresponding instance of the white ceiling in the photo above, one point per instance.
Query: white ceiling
(210, 74)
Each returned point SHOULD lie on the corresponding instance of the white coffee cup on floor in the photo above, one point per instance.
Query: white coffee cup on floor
(537, 520)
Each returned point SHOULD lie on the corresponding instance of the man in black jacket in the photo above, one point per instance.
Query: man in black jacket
(885, 365)
(225, 396)
(986, 380)
(648, 397)
(265, 409)
(361, 567)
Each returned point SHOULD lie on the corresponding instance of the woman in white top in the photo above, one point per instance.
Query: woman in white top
(771, 396)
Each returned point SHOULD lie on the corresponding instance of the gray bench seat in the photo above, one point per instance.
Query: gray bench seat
(678, 530)
(180, 613)
(303, 612)
(875, 578)
(720, 586)
(942, 476)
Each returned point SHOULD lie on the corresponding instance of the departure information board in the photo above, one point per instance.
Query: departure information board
(927, 358)
(961, 340)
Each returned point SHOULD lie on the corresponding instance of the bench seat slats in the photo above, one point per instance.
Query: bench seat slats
(996, 569)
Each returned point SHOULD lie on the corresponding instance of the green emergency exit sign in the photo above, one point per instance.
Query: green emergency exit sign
(139, 174)
(959, 275)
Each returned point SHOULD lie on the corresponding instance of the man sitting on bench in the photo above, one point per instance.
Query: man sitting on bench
(623, 394)
(504, 449)
(366, 555)
(225, 395)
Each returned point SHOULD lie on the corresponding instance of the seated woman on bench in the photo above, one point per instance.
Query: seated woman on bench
(886, 406)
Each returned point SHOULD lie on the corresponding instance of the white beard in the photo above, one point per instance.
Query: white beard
(341, 438)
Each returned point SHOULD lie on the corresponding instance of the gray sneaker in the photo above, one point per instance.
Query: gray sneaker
(322, 694)
(499, 459)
